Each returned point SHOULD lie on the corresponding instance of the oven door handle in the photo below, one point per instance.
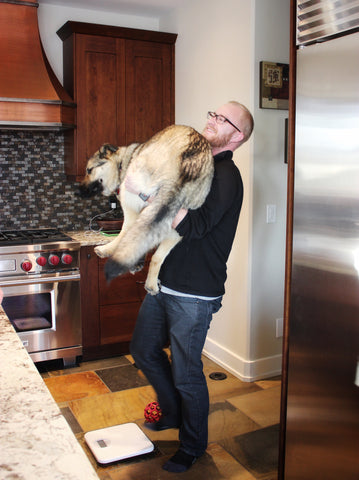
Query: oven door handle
(44, 279)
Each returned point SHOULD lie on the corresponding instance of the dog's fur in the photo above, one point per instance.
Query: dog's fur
(175, 167)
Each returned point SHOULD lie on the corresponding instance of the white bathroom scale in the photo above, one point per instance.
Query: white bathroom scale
(118, 442)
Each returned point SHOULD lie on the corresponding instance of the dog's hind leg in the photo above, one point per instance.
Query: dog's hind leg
(152, 283)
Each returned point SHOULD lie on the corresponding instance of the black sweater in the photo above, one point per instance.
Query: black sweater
(197, 265)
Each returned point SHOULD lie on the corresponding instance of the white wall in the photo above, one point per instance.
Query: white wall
(269, 187)
(219, 47)
(214, 53)
(218, 50)
(52, 17)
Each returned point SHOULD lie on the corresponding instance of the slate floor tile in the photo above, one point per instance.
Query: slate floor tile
(226, 421)
(263, 406)
(74, 386)
(71, 420)
(243, 420)
(113, 409)
(229, 387)
(257, 451)
(270, 382)
(122, 378)
(215, 464)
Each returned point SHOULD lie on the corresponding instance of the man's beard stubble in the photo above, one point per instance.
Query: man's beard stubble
(216, 140)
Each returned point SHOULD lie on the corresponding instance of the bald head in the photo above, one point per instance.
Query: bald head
(228, 127)
(243, 117)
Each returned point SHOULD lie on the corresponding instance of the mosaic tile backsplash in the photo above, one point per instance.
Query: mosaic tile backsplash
(34, 191)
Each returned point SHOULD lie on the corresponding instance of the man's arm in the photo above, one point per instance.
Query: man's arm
(226, 187)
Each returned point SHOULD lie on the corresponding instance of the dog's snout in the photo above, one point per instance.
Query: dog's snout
(88, 190)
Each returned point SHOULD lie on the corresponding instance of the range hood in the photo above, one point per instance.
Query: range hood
(31, 97)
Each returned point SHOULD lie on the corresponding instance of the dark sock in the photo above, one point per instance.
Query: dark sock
(180, 462)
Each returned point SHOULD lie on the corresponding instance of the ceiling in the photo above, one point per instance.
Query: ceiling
(131, 7)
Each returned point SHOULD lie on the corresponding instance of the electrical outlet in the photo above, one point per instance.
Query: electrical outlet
(112, 202)
(271, 213)
(279, 327)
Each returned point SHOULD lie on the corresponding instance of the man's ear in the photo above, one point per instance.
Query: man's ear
(238, 136)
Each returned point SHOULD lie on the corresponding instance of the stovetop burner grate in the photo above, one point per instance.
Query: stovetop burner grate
(23, 237)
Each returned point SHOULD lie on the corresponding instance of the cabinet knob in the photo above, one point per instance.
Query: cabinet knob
(88, 256)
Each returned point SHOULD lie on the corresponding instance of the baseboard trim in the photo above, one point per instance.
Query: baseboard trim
(245, 370)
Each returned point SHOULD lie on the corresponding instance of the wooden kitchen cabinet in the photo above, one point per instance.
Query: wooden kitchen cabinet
(108, 311)
(122, 81)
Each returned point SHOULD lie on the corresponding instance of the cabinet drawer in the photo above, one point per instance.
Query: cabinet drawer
(117, 322)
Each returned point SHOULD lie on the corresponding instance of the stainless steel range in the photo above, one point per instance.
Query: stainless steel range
(40, 278)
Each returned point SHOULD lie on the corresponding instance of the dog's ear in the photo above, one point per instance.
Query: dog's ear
(106, 149)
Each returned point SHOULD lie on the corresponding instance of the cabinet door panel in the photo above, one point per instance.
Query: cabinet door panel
(89, 297)
(96, 99)
(149, 89)
(122, 81)
(100, 123)
(123, 289)
(117, 322)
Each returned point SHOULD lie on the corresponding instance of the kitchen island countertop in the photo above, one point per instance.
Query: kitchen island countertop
(36, 441)
(88, 238)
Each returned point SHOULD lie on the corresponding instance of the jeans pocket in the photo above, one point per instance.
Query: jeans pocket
(216, 304)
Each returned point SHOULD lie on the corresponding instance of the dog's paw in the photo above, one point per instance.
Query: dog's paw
(101, 251)
(113, 269)
(152, 288)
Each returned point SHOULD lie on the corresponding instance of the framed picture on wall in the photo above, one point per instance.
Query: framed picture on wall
(274, 85)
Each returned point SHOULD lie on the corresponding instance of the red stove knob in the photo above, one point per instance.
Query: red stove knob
(54, 260)
(66, 258)
(26, 265)
(42, 261)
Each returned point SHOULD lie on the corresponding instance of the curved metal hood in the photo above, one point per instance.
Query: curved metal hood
(31, 97)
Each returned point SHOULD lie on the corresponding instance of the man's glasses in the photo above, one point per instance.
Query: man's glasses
(221, 119)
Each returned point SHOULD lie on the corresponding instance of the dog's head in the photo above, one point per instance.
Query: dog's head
(102, 175)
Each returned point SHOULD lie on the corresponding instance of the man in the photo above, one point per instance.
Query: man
(192, 285)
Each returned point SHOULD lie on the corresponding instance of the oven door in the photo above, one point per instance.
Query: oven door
(45, 313)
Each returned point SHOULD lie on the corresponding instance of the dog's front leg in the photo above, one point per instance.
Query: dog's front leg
(152, 282)
(129, 216)
(104, 251)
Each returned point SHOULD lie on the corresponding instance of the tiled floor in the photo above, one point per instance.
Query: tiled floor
(243, 420)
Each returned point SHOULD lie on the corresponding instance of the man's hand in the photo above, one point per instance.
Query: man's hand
(130, 186)
(179, 217)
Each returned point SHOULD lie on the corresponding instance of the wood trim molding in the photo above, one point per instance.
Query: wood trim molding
(289, 236)
(71, 27)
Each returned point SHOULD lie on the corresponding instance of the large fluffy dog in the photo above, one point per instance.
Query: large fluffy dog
(174, 169)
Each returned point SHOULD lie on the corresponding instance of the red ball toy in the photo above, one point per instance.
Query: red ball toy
(153, 412)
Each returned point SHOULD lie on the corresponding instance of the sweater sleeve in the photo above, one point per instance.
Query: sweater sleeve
(224, 189)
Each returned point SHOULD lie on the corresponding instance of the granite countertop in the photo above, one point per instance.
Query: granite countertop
(88, 238)
(36, 441)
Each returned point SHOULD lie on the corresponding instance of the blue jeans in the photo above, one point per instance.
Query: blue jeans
(180, 385)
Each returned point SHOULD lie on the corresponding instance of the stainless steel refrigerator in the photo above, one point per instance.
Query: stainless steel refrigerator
(322, 420)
